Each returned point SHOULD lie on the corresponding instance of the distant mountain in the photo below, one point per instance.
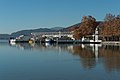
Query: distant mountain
(71, 28)
(4, 36)
(75, 26)
(28, 32)
(56, 28)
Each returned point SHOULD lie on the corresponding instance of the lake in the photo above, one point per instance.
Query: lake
(59, 62)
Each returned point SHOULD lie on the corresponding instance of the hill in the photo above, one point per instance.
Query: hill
(71, 28)
(28, 32)
(4, 36)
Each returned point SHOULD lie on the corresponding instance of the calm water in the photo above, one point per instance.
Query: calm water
(59, 62)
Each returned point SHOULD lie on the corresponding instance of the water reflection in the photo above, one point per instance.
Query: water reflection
(87, 56)
(90, 55)
(111, 57)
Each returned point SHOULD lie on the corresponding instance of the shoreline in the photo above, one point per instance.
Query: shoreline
(111, 42)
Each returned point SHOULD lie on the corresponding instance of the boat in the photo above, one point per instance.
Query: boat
(48, 40)
(21, 39)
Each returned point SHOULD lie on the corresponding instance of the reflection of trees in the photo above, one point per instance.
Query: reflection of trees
(111, 57)
(86, 55)
(108, 55)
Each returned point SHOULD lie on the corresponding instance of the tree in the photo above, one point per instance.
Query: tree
(87, 27)
(111, 27)
(109, 17)
(118, 16)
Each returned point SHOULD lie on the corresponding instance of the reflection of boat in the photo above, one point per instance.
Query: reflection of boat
(47, 44)
(12, 41)
(89, 57)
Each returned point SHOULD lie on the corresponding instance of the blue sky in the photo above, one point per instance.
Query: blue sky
(17, 15)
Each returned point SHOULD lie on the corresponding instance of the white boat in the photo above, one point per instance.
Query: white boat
(47, 40)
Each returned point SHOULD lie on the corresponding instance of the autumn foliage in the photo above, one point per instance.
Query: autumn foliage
(110, 27)
(87, 27)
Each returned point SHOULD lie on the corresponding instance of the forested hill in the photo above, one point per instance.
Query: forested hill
(71, 28)
(28, 32)
(4, 36)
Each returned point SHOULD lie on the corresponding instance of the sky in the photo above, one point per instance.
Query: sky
(18, 15)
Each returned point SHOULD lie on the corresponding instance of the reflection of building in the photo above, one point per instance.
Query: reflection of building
(87, 56)
(108, 55)
(90, 55)
(111, 57)
(95, 48)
